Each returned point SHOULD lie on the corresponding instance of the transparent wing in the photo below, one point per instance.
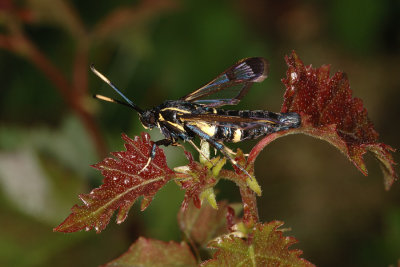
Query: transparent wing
(231, 86)
(228, 121)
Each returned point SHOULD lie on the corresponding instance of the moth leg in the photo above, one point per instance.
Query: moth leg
(200, 152)
(218, 146)
(162, 142)
(177, 144)
(233, 152)
(230, 151)
(233, 161)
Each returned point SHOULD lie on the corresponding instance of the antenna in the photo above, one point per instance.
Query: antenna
(112, 100)
(106, 80)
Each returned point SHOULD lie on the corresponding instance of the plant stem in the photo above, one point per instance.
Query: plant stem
(250, 210)
(249, 198)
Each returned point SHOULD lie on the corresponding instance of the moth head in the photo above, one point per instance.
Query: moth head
(148, 119)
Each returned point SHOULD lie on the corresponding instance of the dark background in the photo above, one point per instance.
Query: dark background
(51, 129)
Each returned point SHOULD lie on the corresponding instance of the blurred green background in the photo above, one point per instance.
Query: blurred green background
(51, 129)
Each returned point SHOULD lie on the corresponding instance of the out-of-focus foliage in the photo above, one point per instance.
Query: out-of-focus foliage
(50, 128)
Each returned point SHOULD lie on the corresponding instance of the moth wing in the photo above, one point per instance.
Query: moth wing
(232, 85)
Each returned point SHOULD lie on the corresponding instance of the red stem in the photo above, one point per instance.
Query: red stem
(250, 210)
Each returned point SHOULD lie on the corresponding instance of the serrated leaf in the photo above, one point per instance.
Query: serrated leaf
(152, 253)
(266, 246)
(122, 185)
(329, 112)
(202, 225)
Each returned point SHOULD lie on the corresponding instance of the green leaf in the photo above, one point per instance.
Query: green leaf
(266, 246)
(153, 253)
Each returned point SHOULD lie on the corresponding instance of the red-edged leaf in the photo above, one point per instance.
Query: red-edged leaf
(199, 179)
(122, 185)
(329, 112)
(202, 225)
(266, 246)
(152, 253)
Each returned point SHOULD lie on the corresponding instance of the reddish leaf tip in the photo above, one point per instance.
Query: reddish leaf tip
(330, 112)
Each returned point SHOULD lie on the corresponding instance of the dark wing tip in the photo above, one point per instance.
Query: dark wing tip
(259, 66)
